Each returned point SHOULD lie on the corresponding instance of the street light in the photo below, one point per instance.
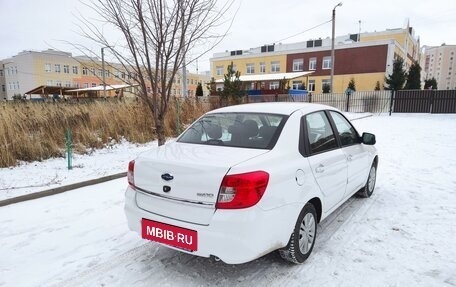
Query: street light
(332, 44)
(103, 68)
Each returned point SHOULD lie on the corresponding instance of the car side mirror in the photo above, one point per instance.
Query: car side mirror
(368, 139)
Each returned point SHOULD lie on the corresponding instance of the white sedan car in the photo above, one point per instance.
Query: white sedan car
(246, 180)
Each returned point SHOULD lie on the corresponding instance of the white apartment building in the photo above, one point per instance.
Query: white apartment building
(440, 63)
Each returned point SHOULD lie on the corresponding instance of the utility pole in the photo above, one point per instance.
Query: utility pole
(184, 68)
(332, 45)
(359, 33)
(103, 70)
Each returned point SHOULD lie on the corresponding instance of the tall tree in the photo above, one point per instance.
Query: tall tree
(414, 77)
(396, 80)
(153, 39)
(233, 89)
(430, 84)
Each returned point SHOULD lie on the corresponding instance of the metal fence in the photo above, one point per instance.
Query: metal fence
(357, 102)
(426, 101)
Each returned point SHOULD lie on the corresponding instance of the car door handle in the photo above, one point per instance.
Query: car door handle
(349, 157)
(320, 169)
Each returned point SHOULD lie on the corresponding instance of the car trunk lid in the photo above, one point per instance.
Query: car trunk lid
(181, 181)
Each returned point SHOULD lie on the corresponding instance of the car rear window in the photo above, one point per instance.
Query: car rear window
(246, 130)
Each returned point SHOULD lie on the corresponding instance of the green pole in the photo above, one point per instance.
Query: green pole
(68, 147)
(178, 118)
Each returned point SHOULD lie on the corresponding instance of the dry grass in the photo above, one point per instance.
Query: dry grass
(36, 131)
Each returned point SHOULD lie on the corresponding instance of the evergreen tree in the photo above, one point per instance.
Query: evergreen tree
(414, 77)
(211, 86)
(326, 88)
(396, 80)
(430, 84)
(377, 86)
(232, 87)
(199, 90)
(351, 85)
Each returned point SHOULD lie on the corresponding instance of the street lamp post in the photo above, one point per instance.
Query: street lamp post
(103, 68)
(332, 44)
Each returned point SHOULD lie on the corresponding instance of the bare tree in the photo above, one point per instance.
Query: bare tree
(156, 37)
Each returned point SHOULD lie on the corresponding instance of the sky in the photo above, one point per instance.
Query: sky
(44, 24)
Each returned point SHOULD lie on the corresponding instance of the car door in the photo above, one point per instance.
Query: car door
(355, 152)
(326, 159)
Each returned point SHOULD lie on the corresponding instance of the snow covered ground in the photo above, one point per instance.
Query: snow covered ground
(402, 236)
(37, 176)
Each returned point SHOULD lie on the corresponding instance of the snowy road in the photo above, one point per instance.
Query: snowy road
(402, 236)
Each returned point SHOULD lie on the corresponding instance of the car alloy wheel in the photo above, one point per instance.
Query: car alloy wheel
(302, 239)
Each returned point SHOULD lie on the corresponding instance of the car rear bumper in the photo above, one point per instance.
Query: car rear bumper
(234, 236)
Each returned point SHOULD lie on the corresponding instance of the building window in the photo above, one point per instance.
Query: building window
(312, 64)
(262, 67)
(274, 85)
(219, 70)
(297, 85)
(66, 69)
(107, 73)
(92, 71)
(75, 70)
(94, 85)
(57, 68)
(100, 73)
(275, 66)
(67, 84)
(326, 63)
(85, 71)
(250, 69)
(47, 68)
(58, 83)
(298, 65)
(325, 82)
(49, 82)
(311, 86)
(1, 73)
(3, 88)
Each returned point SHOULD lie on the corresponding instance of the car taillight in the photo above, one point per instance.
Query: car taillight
(242, 190)
(131, 173)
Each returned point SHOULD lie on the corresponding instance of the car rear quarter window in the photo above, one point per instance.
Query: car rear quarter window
(320, 135)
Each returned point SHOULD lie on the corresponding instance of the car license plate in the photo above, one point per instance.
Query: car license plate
(169, 234)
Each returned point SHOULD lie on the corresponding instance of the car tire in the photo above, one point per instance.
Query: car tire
(368, 189)
(302, 239)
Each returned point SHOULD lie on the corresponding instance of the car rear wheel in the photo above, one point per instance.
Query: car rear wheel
(302, 239)
(368, 189)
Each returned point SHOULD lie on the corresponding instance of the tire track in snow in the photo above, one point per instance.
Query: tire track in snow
(89, 274)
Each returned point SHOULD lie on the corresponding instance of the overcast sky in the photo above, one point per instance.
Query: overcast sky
(43, 24)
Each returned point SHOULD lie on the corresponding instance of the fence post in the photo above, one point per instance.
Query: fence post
(348, 102)
(393, 92)
(68, 148)
(310, 97)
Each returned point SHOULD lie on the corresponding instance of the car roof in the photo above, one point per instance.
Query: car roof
(285, 108)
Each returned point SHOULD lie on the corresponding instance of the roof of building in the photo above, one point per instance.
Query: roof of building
(101, 88)
(270, 77)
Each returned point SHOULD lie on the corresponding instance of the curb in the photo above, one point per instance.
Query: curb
(60, 189)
